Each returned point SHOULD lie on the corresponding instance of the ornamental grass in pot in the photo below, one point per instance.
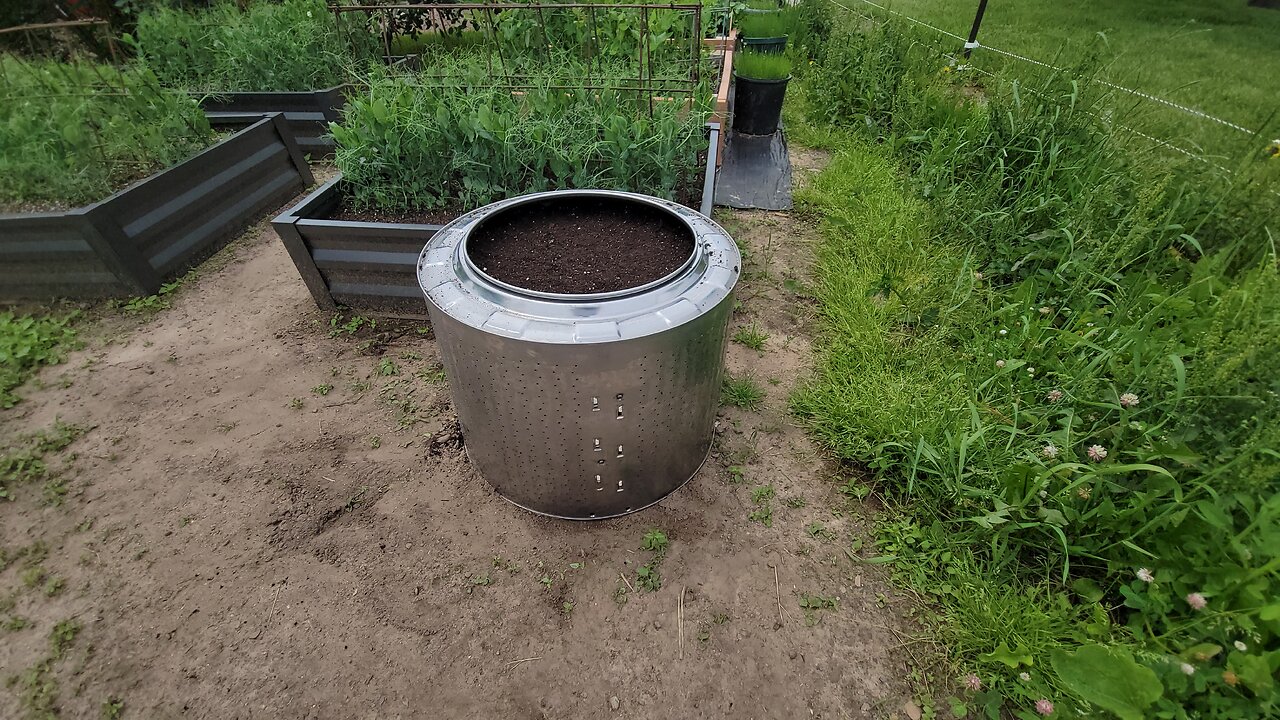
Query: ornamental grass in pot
(766, 32)
(761, 81)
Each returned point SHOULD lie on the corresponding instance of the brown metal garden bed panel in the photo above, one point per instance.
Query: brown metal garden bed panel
(39, 253)
(154, 229)
(368, 265)
(184, 219)
(308, 113)
(372, 267)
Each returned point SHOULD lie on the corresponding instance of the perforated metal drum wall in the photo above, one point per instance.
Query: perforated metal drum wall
(583, 406)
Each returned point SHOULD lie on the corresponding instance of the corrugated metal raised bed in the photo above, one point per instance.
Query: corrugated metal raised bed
(308, 113)
(131, 242)
(371, 266)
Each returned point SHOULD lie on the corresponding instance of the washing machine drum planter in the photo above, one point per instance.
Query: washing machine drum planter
(583, 406)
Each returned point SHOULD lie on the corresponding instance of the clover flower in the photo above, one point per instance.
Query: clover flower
(1128, 400)
(973, 682)
(1097, 453)
(1024, 676)
(1049, 450)
(999, 363)
(1046, 310)
(1044, 707)
(1187, 669)
(1145, 575)
(1196, 601)
(1054, 395)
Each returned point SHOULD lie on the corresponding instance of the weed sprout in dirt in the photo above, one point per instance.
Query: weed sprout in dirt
(28, 343)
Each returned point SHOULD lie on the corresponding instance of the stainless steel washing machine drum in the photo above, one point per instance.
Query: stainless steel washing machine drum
(583, 406)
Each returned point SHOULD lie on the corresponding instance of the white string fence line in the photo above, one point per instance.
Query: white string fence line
(1138, 93)
(1158, 141)
(904, 17)
(1163, 143)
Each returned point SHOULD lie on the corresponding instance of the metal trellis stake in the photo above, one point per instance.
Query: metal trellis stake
(972, 42)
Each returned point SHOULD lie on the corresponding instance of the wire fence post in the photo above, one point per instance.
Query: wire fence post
(972, 42)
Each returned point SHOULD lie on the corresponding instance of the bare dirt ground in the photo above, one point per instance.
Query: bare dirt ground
(235, 544)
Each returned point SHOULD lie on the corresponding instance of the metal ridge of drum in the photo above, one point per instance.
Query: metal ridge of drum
(583, 406)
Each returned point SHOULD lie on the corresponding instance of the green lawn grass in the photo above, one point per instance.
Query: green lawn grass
(1047, 353)
(1219, 56)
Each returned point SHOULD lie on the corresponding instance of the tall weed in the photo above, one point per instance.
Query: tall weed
(72, 133)
(292, 45)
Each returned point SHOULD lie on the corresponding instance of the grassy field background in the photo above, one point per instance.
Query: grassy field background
(1047, 353)
(1219, 56)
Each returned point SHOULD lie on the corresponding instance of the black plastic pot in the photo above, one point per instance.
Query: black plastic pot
(773, 45)
(757, 104)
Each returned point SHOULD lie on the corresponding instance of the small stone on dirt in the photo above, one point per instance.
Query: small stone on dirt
(912, 710)
(447, 441)
(613, 703)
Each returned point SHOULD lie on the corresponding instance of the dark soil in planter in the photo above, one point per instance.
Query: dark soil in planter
(580, 245)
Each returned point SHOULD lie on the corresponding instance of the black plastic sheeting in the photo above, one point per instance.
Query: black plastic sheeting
(756, 173)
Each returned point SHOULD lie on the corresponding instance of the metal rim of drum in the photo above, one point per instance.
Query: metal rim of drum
(456, 287)
(459, 290)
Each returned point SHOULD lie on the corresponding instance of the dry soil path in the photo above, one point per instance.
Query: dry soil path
(229, 554)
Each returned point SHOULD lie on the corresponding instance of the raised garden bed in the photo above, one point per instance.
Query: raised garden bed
(131, 242)
(371, 267)
(308, 113)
